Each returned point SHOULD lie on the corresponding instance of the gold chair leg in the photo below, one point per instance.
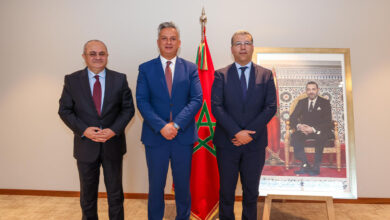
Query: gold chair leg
(286, 156)
(338, 159)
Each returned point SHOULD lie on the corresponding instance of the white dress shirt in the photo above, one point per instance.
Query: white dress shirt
(172, 66)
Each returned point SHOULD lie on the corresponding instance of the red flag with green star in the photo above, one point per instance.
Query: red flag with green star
(204, 170)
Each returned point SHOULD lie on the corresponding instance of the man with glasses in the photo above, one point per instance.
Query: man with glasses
(168, 95)
(96, 104)
(243, 101)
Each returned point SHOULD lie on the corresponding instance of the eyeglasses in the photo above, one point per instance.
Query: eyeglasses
(239, 43)
(94, 54)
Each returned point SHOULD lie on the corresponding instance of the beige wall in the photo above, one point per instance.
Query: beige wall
(42, 40)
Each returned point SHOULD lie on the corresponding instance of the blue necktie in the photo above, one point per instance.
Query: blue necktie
(243, 81)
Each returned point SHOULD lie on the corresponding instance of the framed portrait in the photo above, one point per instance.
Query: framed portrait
(311, 148)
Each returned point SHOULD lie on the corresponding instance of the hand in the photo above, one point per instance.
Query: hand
(243, 137)
(98, 135)
(299, 127)
(302, 127)
(168, 131)
(309, 130)
(91, 132)
(306, 129)
(236, 142)
(104, 135)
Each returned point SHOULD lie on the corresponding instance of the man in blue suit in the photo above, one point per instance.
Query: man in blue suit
(168, 96)
(243, 100)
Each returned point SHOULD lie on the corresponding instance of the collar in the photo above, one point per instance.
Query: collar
(164, 61)
(247, 65)
(102, 74)
(314, 100)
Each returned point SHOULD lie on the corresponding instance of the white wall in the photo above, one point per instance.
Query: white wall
(42, 40)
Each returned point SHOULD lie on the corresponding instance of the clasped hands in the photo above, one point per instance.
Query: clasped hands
(98, 135)
(242, 137)
(306, 129)
(169, 132)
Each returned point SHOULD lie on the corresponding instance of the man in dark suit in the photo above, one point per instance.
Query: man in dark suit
(312, 119)
(168, 96)
(96, 104)
(243, 101)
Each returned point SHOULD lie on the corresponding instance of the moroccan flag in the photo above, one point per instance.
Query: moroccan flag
(273, 127)
(204, 170)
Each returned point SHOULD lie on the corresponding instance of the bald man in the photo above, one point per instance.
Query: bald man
(96, 104)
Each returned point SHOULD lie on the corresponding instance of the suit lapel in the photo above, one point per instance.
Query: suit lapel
(318, 103)
(235, 82)
(109, 85)
(86, 88)
(179, 69)
(306, 105)
(251, 84)
(161, 75)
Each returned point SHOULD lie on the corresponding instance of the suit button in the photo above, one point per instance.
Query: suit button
(171, 104)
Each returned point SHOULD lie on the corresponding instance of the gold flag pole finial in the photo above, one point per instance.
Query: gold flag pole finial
(203, 20)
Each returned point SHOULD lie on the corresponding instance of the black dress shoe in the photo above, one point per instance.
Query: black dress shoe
(305, 168)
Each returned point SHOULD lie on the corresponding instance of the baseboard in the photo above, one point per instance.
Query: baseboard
(29, 192)
(55, 193)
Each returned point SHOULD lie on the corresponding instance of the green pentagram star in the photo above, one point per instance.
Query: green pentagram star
(210, 125)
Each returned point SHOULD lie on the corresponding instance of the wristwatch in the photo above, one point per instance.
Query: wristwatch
(176, 126)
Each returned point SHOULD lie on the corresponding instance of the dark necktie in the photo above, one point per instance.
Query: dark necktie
(311, 107)
(97, 94)
(243, 81)
(168, 77)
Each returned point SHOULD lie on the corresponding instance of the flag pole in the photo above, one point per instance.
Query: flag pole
(204, 168)
(203, 21)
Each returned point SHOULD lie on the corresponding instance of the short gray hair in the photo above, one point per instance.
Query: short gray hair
(169, 24)
(241, 32)
(94, 40)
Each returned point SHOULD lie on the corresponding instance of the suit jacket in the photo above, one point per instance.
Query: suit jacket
(78, 111)
(155, 104)
(320, 119)
(234, 114)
